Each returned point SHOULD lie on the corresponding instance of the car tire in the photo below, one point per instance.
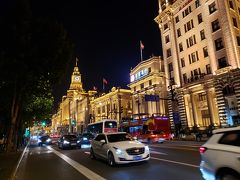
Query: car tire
(111, 160)
(92, 155)
(229, 175)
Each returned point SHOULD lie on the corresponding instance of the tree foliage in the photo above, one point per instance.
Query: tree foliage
(34, 53)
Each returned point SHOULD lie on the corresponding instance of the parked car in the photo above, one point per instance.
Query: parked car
(44, 140)
(118, 148)
(220, 155)
(85, 139)
(68, 141)
(154, 137)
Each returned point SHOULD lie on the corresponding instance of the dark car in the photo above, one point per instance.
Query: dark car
(68, 141)
(85, 138)
(44, 140)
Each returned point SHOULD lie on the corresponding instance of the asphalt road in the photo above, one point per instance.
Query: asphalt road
(170, 160)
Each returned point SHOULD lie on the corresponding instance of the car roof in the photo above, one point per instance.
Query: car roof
(221, 130)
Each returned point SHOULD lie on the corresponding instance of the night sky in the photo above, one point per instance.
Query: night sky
(106, 35)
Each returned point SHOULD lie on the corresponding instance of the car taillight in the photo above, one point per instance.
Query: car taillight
(202, 149)
(164, 135)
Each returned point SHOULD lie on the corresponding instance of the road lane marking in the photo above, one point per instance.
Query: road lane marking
(180, 148)
(80, 168)
(156, 152)
(175, 162)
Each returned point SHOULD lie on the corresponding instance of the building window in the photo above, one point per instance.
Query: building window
(150, 82)
(202, 35)
(191, 41)
(187, 11)
(197, 3)
(200, 20)
(231, 4)
(212, 8)
(222, 62)
(142, 85)
(238, 40)
(170, 67)
(180, 47)
(169, 52)
(202, 97)
(208, 69)
(235, 22)
(215, 25)
(177, 19)
(178, 32)
(182, 62)
(219, 44)
(193, 57)
(165, 26)
(185, 78)
(188, 26)
(205, 52)
(149, 70)
(167, 39)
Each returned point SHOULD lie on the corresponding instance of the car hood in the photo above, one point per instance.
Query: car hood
(127, 144)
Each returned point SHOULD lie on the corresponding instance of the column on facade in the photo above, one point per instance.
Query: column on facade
(210, 104)
(188, 108)
(194, 108)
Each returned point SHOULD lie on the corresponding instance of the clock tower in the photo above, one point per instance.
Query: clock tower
(76, 82)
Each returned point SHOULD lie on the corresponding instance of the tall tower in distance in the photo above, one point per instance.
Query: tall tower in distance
(76, 81)
(201, 52)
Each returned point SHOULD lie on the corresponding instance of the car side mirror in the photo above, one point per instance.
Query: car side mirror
(103, 141)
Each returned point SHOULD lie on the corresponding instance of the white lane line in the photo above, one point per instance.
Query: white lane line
(174, 147)
(80, 168)
(156, 152)
(175, 162)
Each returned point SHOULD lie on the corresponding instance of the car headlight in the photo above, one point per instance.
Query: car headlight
(39, 140)
(78, 141)
(118, 151)
(85, 139)
(146, 148)
(66, 142)
(48, 140)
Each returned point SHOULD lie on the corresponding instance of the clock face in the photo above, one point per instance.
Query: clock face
(77, 79)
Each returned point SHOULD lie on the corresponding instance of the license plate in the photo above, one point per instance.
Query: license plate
(74, 144)
(137, 158)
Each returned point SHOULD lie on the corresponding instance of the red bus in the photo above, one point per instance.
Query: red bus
(148, 127)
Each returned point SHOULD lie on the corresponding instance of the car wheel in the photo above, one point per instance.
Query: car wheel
(92, 155)
(111, 160)
(228, 176)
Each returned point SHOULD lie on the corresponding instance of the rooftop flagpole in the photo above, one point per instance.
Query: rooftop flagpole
(141, 49)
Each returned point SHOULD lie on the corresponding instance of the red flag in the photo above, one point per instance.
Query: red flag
(94, 88)
(141, 45)
(104, 81)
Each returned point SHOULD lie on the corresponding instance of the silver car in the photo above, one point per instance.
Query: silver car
(221, 155)
(118, 148)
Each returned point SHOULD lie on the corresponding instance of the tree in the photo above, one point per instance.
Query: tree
(34, 55)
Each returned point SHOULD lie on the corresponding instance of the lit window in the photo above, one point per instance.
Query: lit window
(205, 52)
(215, 25)
(219, 44)
(200, 20)
(212, 7)
(202, 34)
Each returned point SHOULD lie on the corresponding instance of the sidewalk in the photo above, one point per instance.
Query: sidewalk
(8, 162)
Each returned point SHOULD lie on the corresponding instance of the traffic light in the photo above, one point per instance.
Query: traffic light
(43, 123)
(73, 122)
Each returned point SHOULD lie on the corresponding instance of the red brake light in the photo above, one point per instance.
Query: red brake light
(202, 149)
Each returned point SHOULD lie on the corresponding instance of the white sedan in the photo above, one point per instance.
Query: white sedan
(118, 148)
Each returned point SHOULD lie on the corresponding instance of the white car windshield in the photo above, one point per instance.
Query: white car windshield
(119, 137)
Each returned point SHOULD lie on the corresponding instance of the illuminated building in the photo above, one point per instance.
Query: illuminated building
(73, 112)
(148, 88)
(201, 51)
(113, 105)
